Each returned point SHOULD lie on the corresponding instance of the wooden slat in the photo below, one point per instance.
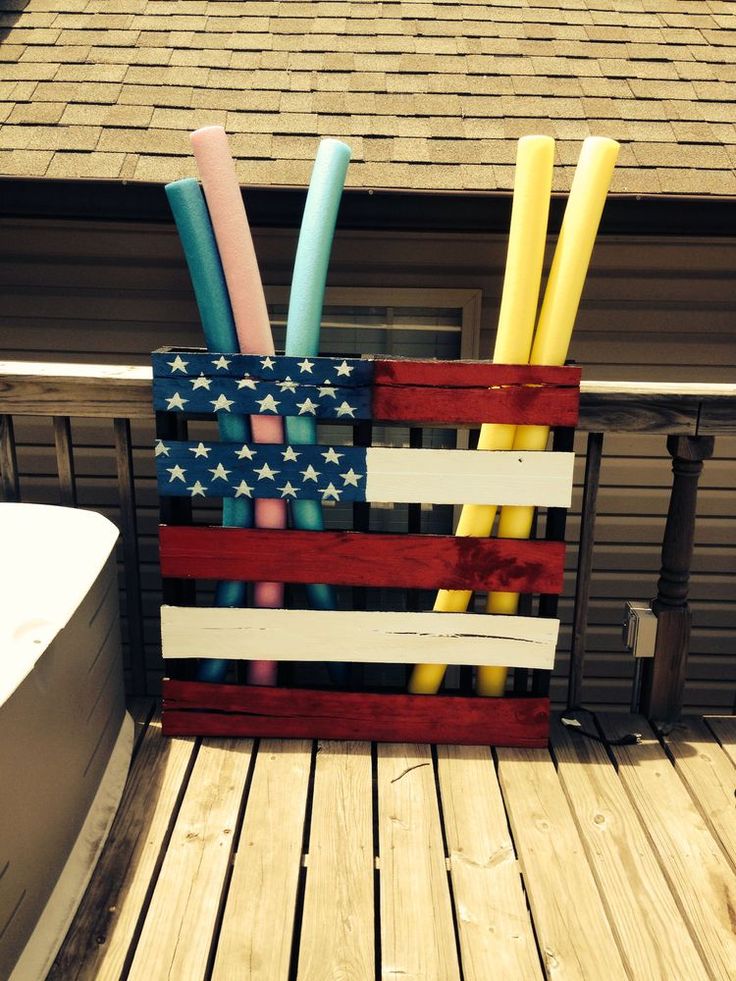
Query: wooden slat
(65, 460)
(469, 374)
(382, 638)
(653, 938)
(415, 561)
(496, 936)
(177, 934)
(8, 462)
(191, 707)
(98, 944)
(263, 888)
(724, 728)
(709, 775)
(337, 930)
(692, 861)
(417, 932)
(572, 928)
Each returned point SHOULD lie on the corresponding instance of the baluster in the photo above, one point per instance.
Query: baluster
(8, 463)
(65, 460)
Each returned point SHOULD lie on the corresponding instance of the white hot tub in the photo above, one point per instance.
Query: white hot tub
(65, 738)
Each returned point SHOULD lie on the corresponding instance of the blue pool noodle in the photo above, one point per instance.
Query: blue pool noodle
(210, 291)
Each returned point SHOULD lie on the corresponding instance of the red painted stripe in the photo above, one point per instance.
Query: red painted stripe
(345, 558)
(193, 708)
(470, 374)
(543, 406)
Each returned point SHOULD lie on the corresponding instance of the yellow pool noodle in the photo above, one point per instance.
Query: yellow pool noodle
(552, 340)
(517, 314)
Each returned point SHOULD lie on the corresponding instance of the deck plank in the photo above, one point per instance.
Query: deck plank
(653, 938)
(417, 930)
(724, 728)
(177, 934)
(709, 775)
(701, 879)
(337, 935)
(263, 887)
(575, 938)
(98, 943)
(496, 936)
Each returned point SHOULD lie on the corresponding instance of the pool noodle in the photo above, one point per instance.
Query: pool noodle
(210, 292)
(252, 324)
(303, 322)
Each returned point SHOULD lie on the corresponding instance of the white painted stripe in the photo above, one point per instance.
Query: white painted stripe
(382, 638)
(469, 477)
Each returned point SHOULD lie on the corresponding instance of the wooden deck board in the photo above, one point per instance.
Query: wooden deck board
(623, 873)
(724, 728)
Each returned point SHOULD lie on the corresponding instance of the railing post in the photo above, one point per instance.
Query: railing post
(664, 678)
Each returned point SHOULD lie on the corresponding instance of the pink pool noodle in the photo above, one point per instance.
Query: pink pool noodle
(243, 278)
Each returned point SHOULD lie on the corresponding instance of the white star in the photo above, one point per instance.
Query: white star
(289, 454)
(222, 402)
(243, 490)
(201, 382)
(327, 389)
(306, 365)
(265, 472)
(310, 473)
(331, 456)
(200, 450)
(219, 472)
(288, 385)
(351, 477)
(178, 364)
(344, 369)
(330, 491)
(267, 363)
(197, 489)
(176, 401)
(177, 473)
(346, 410)
(247, 382)
(268, 404)
(222, 363)
(161, 448)
(288, 490)
(307, 406)
(245, 452)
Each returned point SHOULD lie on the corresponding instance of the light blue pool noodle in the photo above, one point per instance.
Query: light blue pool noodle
(303, 322)
(210, 291)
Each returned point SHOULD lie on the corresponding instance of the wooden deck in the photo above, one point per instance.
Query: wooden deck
(286, 859)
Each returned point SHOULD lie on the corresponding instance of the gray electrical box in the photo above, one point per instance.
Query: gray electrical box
(639, 629)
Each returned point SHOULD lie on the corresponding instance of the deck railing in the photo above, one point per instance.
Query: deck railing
(689, 415)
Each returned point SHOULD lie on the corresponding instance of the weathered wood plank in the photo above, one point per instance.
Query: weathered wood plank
(699, 876)
(177, 935)
(571, 924)
(92, 391)
(415, 561)
(191, 707)
(98, 944)
(65, 460)
(724, 729)
(9, 487)
(384, 638)
(263, 887)
(469, 374)
(337, 933)
(417, 932)
(496, 936)
(653, 939)
(710, 777)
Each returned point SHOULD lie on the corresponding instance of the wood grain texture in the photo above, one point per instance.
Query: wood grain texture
(572, 928)
(176, 938)
(652, 936)
(263, 887)
(496, 936)
(381, 638)
(417, 932)
(192, 707)
(98, 944)
(699, 876)
(346, 558)
(337, 933)
(469, 374)
(724, 729)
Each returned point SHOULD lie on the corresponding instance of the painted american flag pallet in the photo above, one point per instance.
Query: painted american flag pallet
(190, 384)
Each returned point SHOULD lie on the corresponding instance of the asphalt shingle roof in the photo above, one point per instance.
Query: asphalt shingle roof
(429, 95)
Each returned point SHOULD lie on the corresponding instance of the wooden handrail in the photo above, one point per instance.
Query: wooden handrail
(124, 391)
